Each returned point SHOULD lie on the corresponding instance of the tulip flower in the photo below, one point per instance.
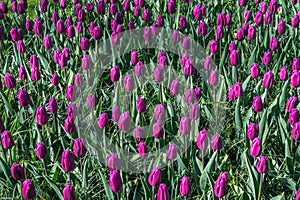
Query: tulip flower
(257, 104)
(124, 121)
(253, 130)
(231, 93)
(147, 15)
(79, 148)
(235, 58)
(220, 186)
(202, 28)
(296, 64)
(294, 116)
(158, 130)
(113, 162)
(41, 115)
(129, 83)
(216, 142)
(183, 22)
(103, 120)
(72, 111)
(23, 98)
(91, 101)
(283, 73)
(194, 112)
(41, 150)
(256, 147)
(159, 74)
(115, 181)
(163, 193)
(139, 68)
(295, 78)
(86, 62)
(115, 74)
(69, 125)
(69, 192)
(116, 113)
(84, 44)
(268, 80)
(213, 46)
(28, 189)
(296, 131)
(273, 43)
(139, 134)
(213, 78)
(67, 161)
(238, 89)
(281, 27)
(17, 171)
(198, 93)
(186, 43)
(2, 126)
(155, 177)
(143, 149)
(10, 81)
(71, 93)
(185, 186)
(21, 46)
(291, 103)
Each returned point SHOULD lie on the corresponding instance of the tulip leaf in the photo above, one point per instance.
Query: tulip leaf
(54, 187)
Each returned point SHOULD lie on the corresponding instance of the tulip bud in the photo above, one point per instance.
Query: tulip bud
(91, 101)
(41, 115)
(158, 130)
(35, 74)
(81, 15)
(71, 93)
(220, 186)
(213, 46)
(55, 80)
(162, 193)
(281, 27)
(41, 150)
(295, 78)
(116, 113)
(113, 162)
(172, 7)
(240, 34)
(7, 140)
(213, 78)
(79, 148)
(258, 18)
(185, 125)
(262, 165)
(72, 111)
(255, 71)
(268, 79)
(198, 93)
(17, 171)
(115, 74)
(139, 133)
(139, 69)
(23, 98)
(256, 147)
(21, 46)
(216, 142)
(84, 44)
(183, 22)
(160, 112)
(208, 63)
(185, 186)
(115, 181)
(202, 28)
(222, 19)
(53, 107)
(257, 104)
(141, 105)
(251, 32)
(143, 149)
(10, 81)
(136, 11)
(70, 31)
(60, 26)
(295, 21)
(296, 131)
(186, 43)
(248, 15)
(67, 161)
(176, 36)
(175, 87)
(120, 18)
(160, 20)
(294, 116)
(103, 120)
(273, 44)
(194, 112)
(202, 139)
(69, 192)
(147, 15)
(253, 130)
(267, 58)
(231, 93)
(79, 27)
(296, 64)
(154, 177)
(235, 58)
(129, 83)
(134, 57)
(124, 121)
(69, 125)
(291, 103)
(28, 189)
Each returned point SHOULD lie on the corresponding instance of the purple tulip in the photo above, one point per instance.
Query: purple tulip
(268, 18)
(273, 43)
(160, 112)
(202, 28)
(113, 162)
(69, 125)
(183, 22)
(190, 96)
(28, 189)
(128, 83)
(154, 177)
(10, 81)
(213, 46)
(198, 93)
(176, 36)
(97, 33)
(255, 71)
(222, 19)
(141, 105)
(139, 68)
(147, 15)
(238, 89)
(213, 78)
(194, 112)
(220, 186)
(231, 93)
(262, 165)
(84, 44)
(248, 15)
(258, 18)
(256, 147)
(295, 21)
(158, 130)
(202, 139)
(103, 120)
(41, 115)
(240, 34)
(294, 116)
(55, 80)
(267, 58)
(124, 121)
(296, 64)
(116, 113)
(69, 192)
(72, 111)
(143, 149)
(172, 7)
(268, 79)
(67, 161)
(162, 193)
(251, 33)
(139, 133)
(281, 27)
(115, 181)
(134, 57)
(295, 78)
(185, 125)
(235, 58)
(291, 103)
(160, 20)
(257, 104)
(296, 131)
(216, 142)
(23, 97)
(79, 148)
(71, 93)
(41, 150)
(7, 140)
(185, 186)
(115, 74)
(253, 130)
(17, 171)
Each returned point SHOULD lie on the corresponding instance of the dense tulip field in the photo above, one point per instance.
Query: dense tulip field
(150, 99)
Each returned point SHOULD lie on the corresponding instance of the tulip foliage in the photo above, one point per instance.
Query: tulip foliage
(48, 60)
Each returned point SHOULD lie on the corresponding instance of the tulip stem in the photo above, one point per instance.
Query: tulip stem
(10, 156)
(54, 123)
(202, 159)
(80, 164)
(69, 177)
(186, 146)
(260, 186)
(152, 193)
(118, 197)
(44, 165)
